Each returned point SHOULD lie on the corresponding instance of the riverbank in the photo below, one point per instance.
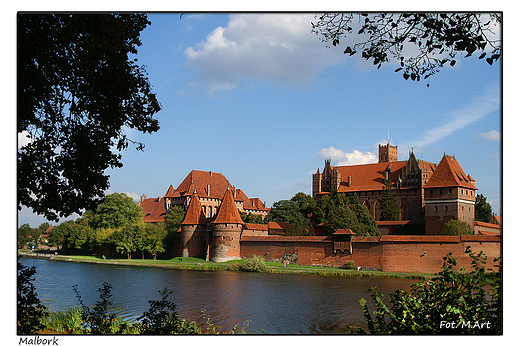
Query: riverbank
(193, 263)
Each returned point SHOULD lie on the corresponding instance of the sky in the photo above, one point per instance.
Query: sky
(260, 99)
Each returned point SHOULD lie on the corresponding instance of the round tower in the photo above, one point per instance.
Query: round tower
(193, 230)
(227, 230)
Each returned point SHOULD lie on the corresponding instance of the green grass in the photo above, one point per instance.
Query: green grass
(195, 263)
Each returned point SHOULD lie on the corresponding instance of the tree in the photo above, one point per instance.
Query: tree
(125, 240)
(438, 38)
(389, 207)
(305, 202)
(457, 227)
(77, 91)
(483, 211)
(116, 211)
(30, 310)
(338, 211)
(174, 217)
(289, 211)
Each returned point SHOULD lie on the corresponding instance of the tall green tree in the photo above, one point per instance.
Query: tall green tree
(434, 39)
(79, 88)
(338, 211)
(389, 206)
(483, 211)
(116, 211)
(289, 211)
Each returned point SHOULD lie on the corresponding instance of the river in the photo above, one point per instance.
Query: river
(274, 303)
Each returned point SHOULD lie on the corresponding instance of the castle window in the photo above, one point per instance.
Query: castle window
(440, 192)
(446, 207)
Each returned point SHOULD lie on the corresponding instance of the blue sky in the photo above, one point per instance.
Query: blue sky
(260, 99)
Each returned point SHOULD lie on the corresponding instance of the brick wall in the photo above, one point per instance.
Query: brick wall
(408, 254)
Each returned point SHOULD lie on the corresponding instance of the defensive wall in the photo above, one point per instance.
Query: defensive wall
(389, 253)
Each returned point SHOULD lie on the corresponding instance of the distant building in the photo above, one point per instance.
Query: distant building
(427, 193)
(210, 188)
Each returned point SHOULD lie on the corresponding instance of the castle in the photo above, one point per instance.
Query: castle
(427, 193)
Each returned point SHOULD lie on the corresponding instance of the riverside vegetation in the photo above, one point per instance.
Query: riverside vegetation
(453, 302)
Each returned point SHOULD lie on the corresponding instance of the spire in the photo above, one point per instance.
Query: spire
(194, 214)
(228, 211)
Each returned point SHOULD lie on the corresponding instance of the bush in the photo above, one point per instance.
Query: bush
(255, 264)
(349, 265)
(452, 303)
(161, 318)
(457, 227)
(30, 310)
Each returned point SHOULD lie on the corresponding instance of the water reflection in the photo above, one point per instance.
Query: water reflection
(275, 303)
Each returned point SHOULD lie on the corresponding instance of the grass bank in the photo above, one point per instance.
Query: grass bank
(194, 263)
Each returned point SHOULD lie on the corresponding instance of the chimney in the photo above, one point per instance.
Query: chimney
(349, 181)
(210, 174)
(209, 186)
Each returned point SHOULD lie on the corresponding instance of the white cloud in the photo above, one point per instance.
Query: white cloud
(134, 196)
(341, 158)
(482, 105)
(278, 49)
(492, 135)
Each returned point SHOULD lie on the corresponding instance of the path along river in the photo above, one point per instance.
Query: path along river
(274, 303)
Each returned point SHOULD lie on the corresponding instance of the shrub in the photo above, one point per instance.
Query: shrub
(457, 227)
(161, 318)
(349, 265)
(453, 302)
(30, 310)
(255, 264)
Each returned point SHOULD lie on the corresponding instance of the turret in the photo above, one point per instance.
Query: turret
(227, 230)
(193, 230)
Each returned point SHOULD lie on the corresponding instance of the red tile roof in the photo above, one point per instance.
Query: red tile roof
(369, 177)
(153, 209)
(450, 174)
(194, 215)
(344, 232)
(170, 192)
(228, 211)
(199, 181)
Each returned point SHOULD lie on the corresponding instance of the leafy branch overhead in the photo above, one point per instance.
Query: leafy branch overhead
(79, 90)
(422, 43)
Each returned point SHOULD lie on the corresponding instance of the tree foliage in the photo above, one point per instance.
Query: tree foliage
(29, 307)
(161, 318)
(389, 206)
(483, 211)
(457, 227)
(116, 211)
(453, 302)
(422, 43)
(338, 211)
(77, 91)
(294, 212)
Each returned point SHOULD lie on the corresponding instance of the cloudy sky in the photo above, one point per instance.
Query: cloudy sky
(260, 99)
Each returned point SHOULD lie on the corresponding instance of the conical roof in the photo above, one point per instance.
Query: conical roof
(194, 214)
(170, 192)
(228, 211)
(449, 174)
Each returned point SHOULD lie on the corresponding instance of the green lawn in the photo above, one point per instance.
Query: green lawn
(195, 263)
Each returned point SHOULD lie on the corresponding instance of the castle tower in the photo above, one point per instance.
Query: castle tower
(448, 195)
(316, 183)
(193, 230)
(227, 230)
(388, 153)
